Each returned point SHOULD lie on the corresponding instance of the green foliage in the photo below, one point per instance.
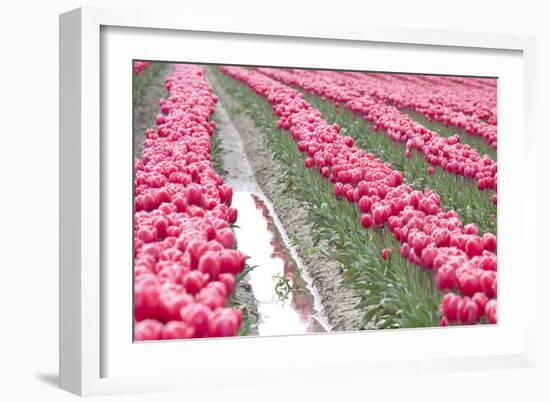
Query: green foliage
(393, 293)
(141, 81)
(456, 192)
(247, 269)
(283, 287)
(244, 330)
(246, 323)
(447, 131)
(216, 152)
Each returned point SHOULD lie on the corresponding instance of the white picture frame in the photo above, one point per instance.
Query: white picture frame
(90, 35)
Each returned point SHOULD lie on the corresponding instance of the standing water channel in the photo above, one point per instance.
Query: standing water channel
(288, 303)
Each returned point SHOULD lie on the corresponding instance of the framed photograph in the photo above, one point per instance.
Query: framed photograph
(242, 203)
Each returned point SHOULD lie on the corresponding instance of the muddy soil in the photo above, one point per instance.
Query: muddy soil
(273, 316)
(244, 296)
(146, 107)
(338, 302)
(240, 177)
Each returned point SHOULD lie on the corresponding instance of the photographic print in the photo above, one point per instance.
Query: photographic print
(283, 201)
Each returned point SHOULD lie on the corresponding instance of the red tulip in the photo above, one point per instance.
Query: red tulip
(180, 203)
(446, 277)
(161, 224)
(231, 261)
(338, 190)
(177, 330)
(232, 215)
(210, 297)
(405, 249)
(449, 306)
(468, 312)
(194, 195)
(148, 329)
(194, 281)
(223, 323)
(228, 280)
(196, 315)
(210, 263)
(147, 234)
(171, 304)
(226, 238)
(227, 193)
(471, 229)
(469, 284)
(427, 257)
(489, 242)
(219, 287)
(146, 301)
(364, 204)
(474, 246)
(481, 301)
(489, 263)
(488, 282)
(442, 237)
(491, 311)
(378, 216)
(366, 221)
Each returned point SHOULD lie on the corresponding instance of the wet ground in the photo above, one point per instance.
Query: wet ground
(286, 300)
(146, 107)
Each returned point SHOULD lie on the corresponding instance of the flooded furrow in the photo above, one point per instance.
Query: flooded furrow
(287, 301)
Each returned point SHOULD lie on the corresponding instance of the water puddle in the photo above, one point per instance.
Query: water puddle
(287, 301)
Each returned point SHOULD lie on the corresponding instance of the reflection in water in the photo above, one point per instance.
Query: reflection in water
(286, 300)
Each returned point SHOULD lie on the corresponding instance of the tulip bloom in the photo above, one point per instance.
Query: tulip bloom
(386, 253)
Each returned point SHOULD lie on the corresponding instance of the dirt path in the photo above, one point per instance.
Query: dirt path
(338, 302)
(238, 172)
(268, 316)
(239, 175)
(146, 107)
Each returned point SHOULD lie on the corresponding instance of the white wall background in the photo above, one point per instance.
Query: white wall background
(29, 197)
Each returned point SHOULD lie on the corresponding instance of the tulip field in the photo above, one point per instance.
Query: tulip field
(376, 197)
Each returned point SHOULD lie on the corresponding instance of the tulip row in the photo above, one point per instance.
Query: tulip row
(477, 83)
(448, 153)
(185, 264)
(392, 293)
(447, 81)
(459, 196)
(456, 192)
(416, 97)
(430, 238)
(443, 101)
(140, 67)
